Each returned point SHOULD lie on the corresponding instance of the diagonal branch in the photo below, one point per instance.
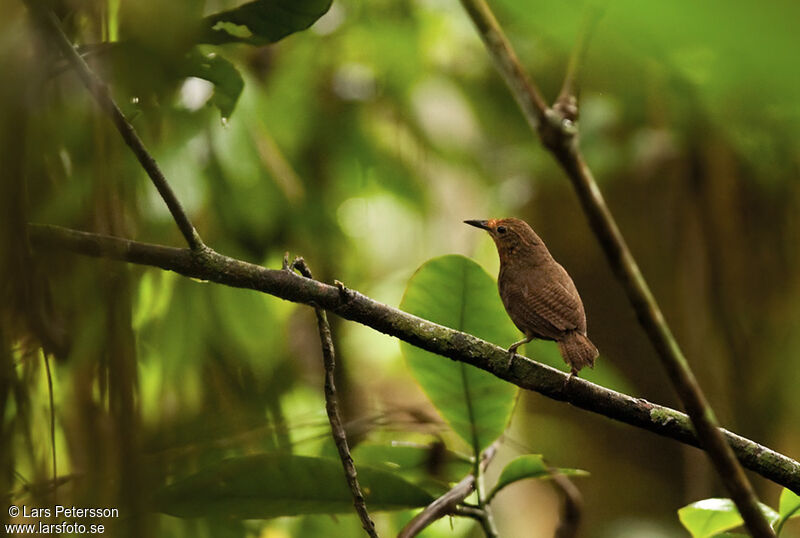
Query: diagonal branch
(332, 405)
(99, 90)
(559, 135)
(208, 265)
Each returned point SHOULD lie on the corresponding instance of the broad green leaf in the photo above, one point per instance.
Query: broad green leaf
(456, 292)
(789, 507)
(528, 466)
(710, 517)
(273, 485)
(227, 81)
(432, 467)
(263, 21)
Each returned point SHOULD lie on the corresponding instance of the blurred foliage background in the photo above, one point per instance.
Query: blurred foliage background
(361, 144)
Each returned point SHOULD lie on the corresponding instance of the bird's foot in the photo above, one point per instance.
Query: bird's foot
(511, 354)
(572, 373)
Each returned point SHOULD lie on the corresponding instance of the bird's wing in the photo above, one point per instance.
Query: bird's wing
(546, 312)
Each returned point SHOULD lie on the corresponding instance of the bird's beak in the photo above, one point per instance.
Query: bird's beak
(483, 224)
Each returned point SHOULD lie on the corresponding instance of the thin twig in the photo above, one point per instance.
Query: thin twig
(573, 505)
(99, 90)
(209, 265)
(567, 101)
(487, 523)
(51, 396)
(468, 511)
(332, 407)
(527, 93)
(559, 135)
(487, 519)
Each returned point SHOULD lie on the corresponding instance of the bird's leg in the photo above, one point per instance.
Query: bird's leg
(512, 351)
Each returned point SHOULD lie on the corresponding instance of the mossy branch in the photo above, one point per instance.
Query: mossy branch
(208, 265)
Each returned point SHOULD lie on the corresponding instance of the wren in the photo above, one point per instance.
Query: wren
(538, 293)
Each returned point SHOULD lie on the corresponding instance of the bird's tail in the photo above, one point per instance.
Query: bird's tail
(578, 351)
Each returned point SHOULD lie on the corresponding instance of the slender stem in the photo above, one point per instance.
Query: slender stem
(99, 90)
(560, 137)
(486, 519)
(487, 523)
(211, 266)
(573, 505)
(52, 419)
(332, 407)
(567, 101)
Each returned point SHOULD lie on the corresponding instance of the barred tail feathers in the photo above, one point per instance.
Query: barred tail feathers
(578, 351)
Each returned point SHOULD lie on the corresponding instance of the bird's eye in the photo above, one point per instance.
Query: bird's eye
(501, 229)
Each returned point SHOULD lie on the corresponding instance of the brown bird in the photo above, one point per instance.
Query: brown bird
(538, 293)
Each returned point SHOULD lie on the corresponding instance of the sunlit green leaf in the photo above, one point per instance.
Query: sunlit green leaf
(456, 292)
(710, 517)
(273, 485)
(789, 504)
(529, 466)
(228, 83)
(263, 21)
(789, 507)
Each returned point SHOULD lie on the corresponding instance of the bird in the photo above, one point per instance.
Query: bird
(538, 293)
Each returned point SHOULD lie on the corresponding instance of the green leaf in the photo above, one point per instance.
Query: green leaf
(788, 507)
(528, 466)
(228, 83)
(432, 467)
(272, 485)
(710, 517)
(789, 504)
(263, 21)
(456, 292)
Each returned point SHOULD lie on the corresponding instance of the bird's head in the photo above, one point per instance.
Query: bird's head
(513, 237)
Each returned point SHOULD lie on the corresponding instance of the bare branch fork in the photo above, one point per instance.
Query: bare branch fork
(559, 134)
(332, 404)
(208, 265)
(451, 503)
